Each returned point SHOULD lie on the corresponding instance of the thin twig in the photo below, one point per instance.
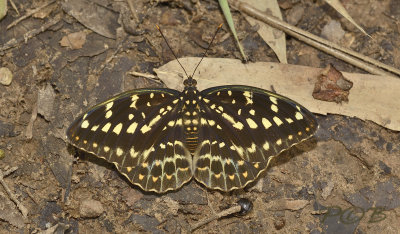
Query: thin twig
(232, 210)
(28, 14)
(320, 43)
(21, 207)
(14, 42)
(145, 75)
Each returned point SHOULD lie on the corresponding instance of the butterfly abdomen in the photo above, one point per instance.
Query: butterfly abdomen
(191, 120)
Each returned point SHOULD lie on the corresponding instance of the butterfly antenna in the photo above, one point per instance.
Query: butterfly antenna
(165, 39)
(209, 45)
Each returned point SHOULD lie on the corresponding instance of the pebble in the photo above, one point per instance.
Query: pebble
(5, 76)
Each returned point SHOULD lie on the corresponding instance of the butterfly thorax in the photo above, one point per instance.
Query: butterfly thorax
(190, 113)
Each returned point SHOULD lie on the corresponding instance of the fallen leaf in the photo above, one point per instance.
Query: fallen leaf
(74, 40)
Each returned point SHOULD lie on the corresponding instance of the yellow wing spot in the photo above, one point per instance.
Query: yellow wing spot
(299, 133)
(169, 108)
(108, 114)
(77, 138)
(212, 106)
(179, 122)
(117, 129)
(94, 145)
(298, 116)
(278, 121)
(85, 124)
(184, 169)
(240, 162)
(158, 163)
(252, 149)
(187, 113)
(217, 175)
(307, 129)
(194, 128)
(119, 152)
(203, 121)
(145, 164)
(106, 127)
(154, 179)
(194, 101)
(266, 123)
(290, 137)
(252, 112)
(228, 162)
(251, 123)
(187, 122)
(222, 144)
(202, 168)
(297, 107)
(231, 177)
(85, 142)
(256, 165)
(187, 102)
(145, 129)
(235, 124)
(289, 120)
(164, 128)
(239, 111)
(94, 128)
(151, 95)
(106, 149)
(133, 153)
(109, 105)
(220, 108)
(266, 146)
(162, 146)
(274, 108)
(168, 176)
(219, 127)
(129, 169)
(233, 101)
(148, 104)
(134, 97)
(194, 113)
(188, 129)
(244, 174)
(141, 177)
(175, 101)
(162, 95)
(130, 116)
(211, 122)
(143, 115)
(133, 104)
(131, 129)
(84, 117)
(279, 142)
(273, 100)
(218, 93)
(162, 110)
(171, 123)
(206, 100)
(195, 121)
(229, 93)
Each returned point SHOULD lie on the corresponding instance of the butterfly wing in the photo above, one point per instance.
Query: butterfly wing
(140, 133)
(242, 129)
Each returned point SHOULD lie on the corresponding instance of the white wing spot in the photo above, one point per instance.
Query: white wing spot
(94, 128)
(85, 124)
(298, 116)
(273, 100)
(274, 108)
(117, 128)
(266, 146)
(106, 127)
(131, 129)
(109, 105)
(119, 152)
(266, 123)
(251, 123)
(277, 120)
(108, 114)
(289, 120)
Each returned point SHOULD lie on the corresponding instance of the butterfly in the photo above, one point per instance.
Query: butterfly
(223, 136)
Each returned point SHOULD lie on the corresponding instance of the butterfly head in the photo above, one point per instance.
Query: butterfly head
(190, 83)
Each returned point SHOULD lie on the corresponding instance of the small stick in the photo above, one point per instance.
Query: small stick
(229, 211)
(29, 13)
(21, 207)
(13, 42)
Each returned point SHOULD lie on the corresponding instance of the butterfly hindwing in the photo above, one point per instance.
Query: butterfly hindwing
(140, 133)
(242, 128)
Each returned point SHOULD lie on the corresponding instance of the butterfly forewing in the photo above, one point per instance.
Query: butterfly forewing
(140, 133)
(242, 128)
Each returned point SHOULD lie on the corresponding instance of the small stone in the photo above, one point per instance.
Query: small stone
(333, 31)
(5, 76)
(90, 208)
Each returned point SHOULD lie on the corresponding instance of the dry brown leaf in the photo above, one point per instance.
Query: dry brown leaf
(371, 98)
(273, 37)
(74, 40)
